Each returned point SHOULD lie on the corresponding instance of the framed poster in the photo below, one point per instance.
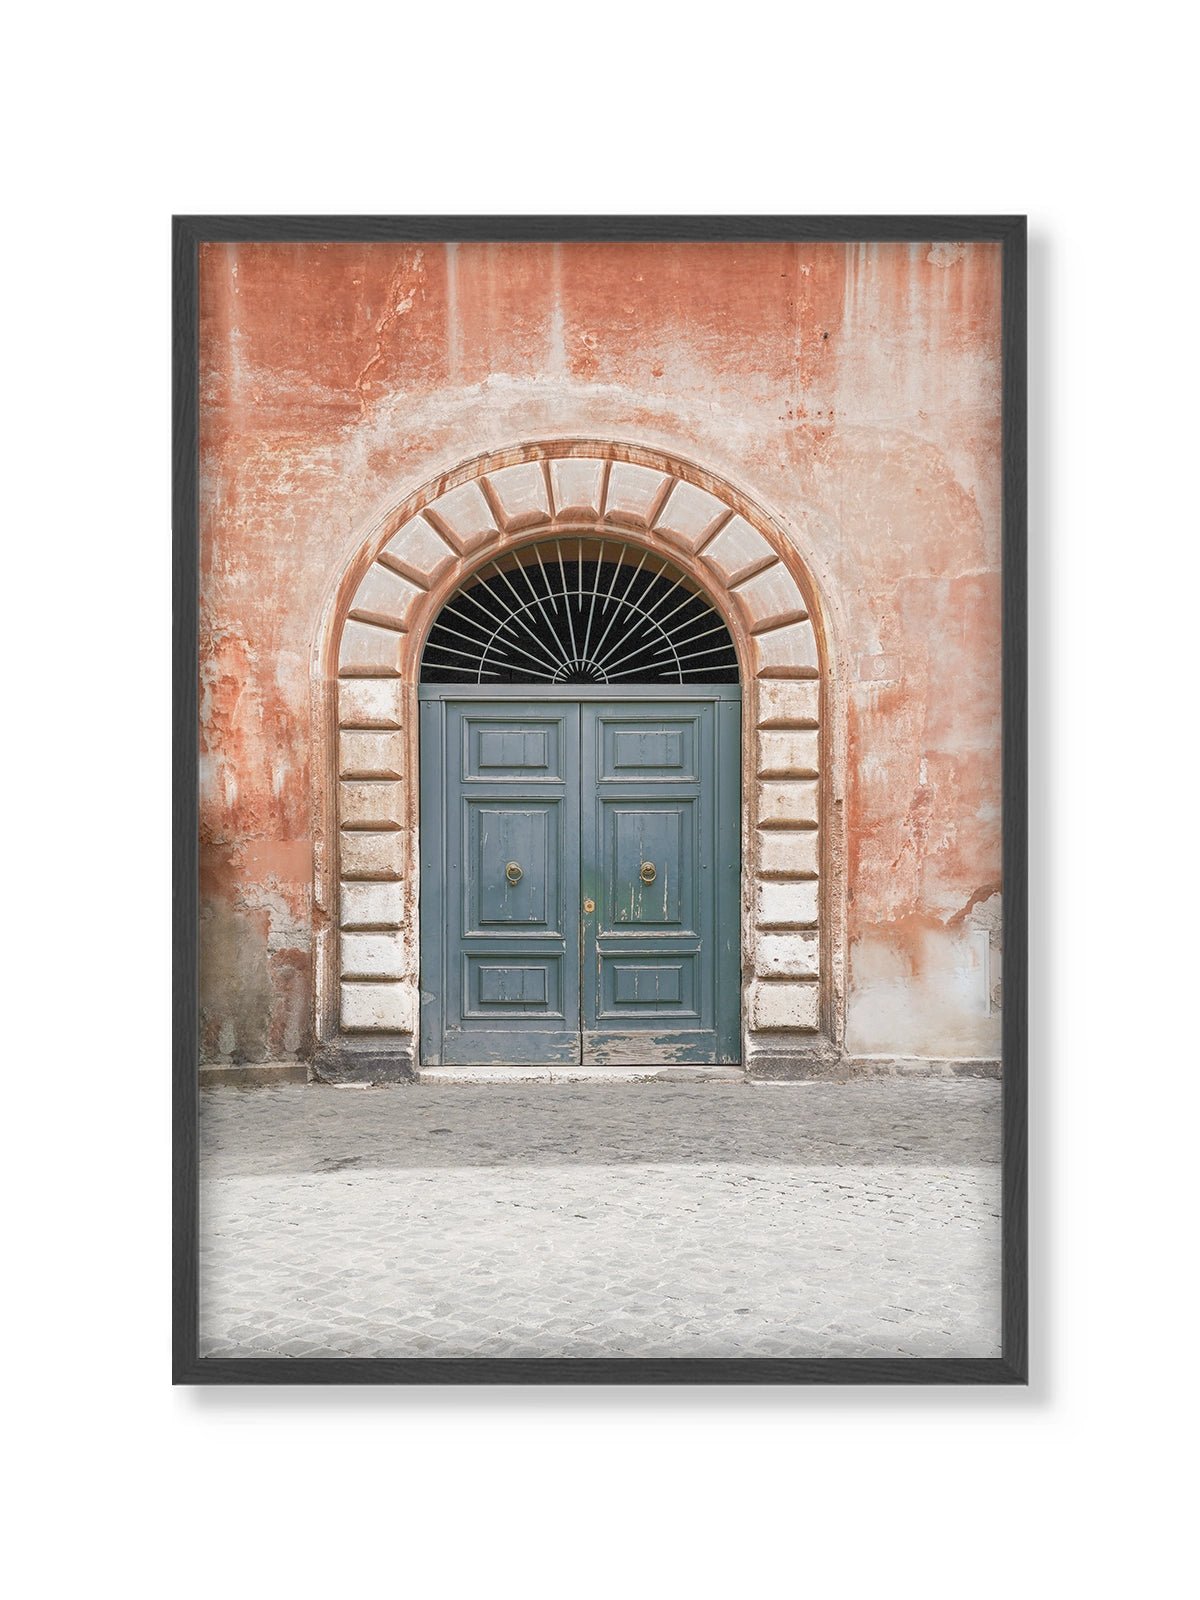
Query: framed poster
(600, 817)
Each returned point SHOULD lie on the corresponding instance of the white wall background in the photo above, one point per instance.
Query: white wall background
(119, 115)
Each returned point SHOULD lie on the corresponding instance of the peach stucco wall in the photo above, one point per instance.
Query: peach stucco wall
(851, 391)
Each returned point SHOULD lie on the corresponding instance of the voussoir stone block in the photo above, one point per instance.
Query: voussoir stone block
(789, 702)
(788, 904)
(788, 802)
(789, 652)
(465, 517)
(689, 515)
(737, 551)
(578, 485)
(370, 805)
(377, 1007)
(372, 955)
(370, 755)
(370, 652)
(789, 853)
(383, 597)
(520, 492)
(787, 753)
(633, 492)
(419, 551)
(372, 904)
(370, 703)
(770, 598)
(788, 955)
(785, 1006)
(371, 855)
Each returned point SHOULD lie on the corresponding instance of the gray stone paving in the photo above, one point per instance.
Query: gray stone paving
(632, 1219)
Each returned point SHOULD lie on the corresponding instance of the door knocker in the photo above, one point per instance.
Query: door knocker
(648, 872)
(513, 872)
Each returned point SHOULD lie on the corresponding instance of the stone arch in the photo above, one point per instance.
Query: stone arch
(387, 601)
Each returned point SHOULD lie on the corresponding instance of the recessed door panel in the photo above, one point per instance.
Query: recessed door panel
(637, 986)
(514, 850)
(650, 881)
(634, 751)
(513, 985)
(526, 749)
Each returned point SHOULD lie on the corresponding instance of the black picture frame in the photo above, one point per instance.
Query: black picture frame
(189, 233)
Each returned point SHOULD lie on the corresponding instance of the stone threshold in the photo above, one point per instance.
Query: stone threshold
(266, 1074)
(582, 1074)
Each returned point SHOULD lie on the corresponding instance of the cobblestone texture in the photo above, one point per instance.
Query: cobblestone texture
(594, 1220)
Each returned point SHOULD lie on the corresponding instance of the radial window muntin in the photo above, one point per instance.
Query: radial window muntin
(582, 611)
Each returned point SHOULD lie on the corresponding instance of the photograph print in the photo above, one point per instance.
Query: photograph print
(599, 779)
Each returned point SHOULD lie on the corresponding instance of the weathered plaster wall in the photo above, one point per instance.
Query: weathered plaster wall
(852, 391)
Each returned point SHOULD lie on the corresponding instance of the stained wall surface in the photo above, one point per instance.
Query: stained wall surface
(852, 391)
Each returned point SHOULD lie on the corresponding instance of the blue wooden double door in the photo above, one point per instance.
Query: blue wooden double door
(580, 877)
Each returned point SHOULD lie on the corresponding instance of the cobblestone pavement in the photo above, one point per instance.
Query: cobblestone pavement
(587, 1220)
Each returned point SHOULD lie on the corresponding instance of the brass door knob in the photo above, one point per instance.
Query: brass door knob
(589, 906)
(513, 872)
(648, 872)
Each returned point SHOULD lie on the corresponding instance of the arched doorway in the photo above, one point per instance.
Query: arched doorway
(580, 778)
(471, 525)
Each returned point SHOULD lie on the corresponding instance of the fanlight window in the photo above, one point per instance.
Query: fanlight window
(574, 611)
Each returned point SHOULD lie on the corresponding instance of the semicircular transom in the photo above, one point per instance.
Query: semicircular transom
(579, 610)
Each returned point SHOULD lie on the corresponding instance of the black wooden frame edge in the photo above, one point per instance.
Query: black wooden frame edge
(615, 229)
(185, 802)
(626, 1371)
(188, 233)
(1015, 806)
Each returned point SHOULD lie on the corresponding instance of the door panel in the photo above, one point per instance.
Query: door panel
(649, 858)
(662, 752)
(531, 812)
(500, 895)
(506, 841)
(502, 745)
(513, 985)
(639, 985)
(657, 985)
